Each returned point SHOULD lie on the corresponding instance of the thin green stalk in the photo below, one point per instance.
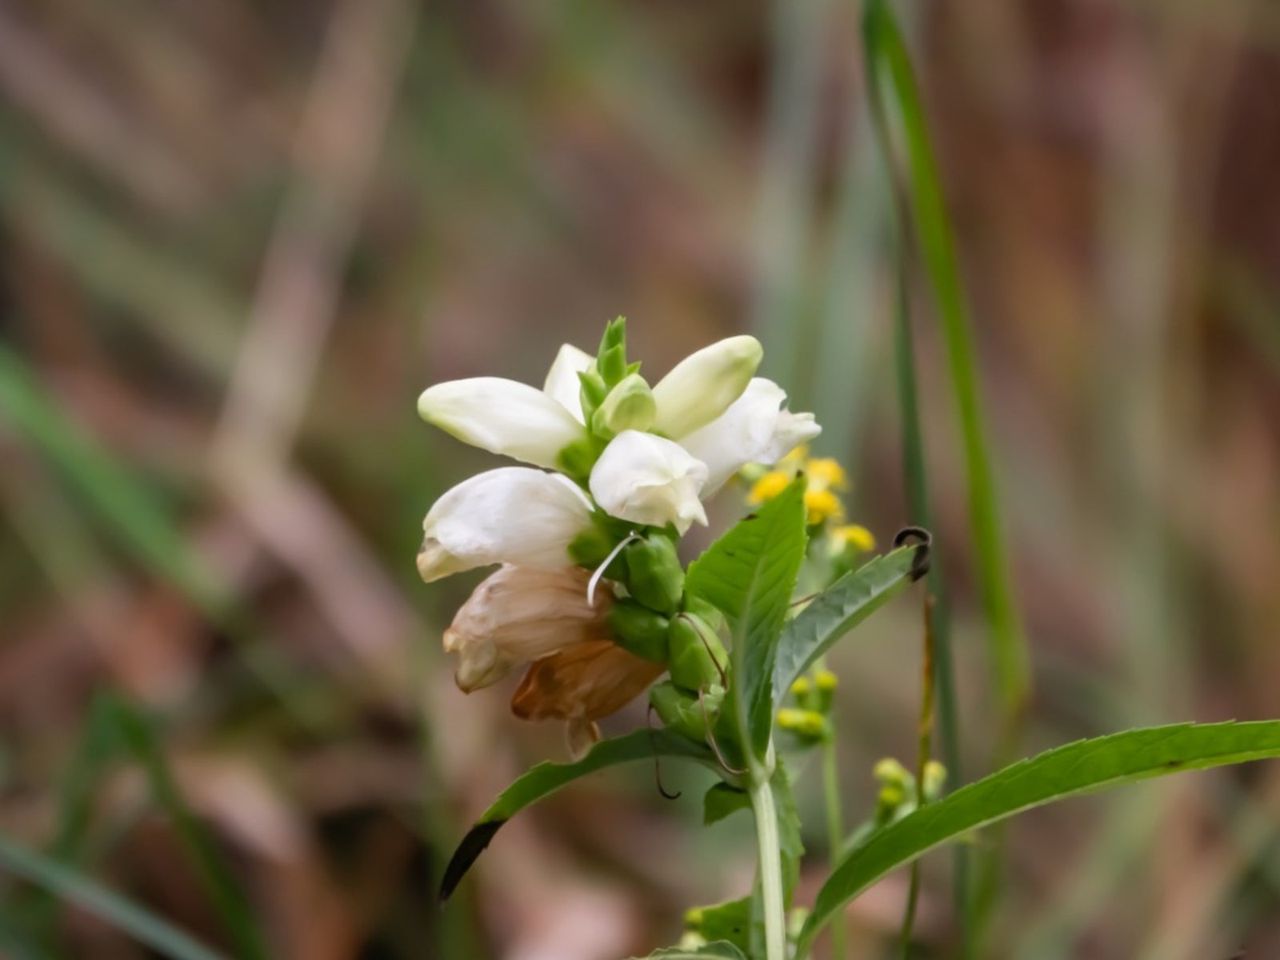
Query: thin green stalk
(770, 853)
(923, 754)
(835, 831)
(892, 80)
(917, 488)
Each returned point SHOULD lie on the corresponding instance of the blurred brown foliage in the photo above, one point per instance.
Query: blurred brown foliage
(239, 238)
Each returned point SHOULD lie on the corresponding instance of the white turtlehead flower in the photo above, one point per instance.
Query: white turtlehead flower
(509, 515)
(562, 384)
(703, 385)
(648, 479)
(755, 429)
(521, 614)
(502, 416)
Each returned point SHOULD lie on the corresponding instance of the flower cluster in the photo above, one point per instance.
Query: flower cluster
(590, 592)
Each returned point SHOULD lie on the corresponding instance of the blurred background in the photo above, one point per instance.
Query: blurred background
(237, 239)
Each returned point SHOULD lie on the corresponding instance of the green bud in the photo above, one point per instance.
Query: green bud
(655, 576)
(639, 630)
(680, 710)
(935, 778)
(593, 391)
(708, 613)
(698, 659)
(629, 406)
(611, 359)
(806, 724)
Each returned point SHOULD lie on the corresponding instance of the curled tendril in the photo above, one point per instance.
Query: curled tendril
(923, 541)
(657, 761)
(711, 738)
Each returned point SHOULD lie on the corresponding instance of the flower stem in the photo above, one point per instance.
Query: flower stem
(766, 814)
(835, 833)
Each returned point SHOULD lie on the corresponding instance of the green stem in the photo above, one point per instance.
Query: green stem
(835, 832)
(766, 814)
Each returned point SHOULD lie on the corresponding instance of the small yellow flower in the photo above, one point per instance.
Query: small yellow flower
(821, 506)
(825, 473)
(853, 535)
(801, 687)
(768, 487)
(826, 680)
(806, 723)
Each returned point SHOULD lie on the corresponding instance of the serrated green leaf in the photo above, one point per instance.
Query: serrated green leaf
(1083, 767)
(748, 574)
(720, 950)
(836, 611)
(722, 800)
(546, 778)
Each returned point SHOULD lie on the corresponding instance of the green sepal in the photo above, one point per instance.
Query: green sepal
(655, 576)
(679, 711)
(697, 657)
(592, 391)
(640, 630)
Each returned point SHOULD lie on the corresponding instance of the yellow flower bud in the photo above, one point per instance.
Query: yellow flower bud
(825, 472)
(853, 535)
(768, 487)
(801, 687)
(821, 506)
(826, 680)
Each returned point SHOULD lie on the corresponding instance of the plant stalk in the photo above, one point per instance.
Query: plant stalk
(770, 852)
(835, 832)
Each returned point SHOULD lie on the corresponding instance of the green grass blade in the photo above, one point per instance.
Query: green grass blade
(887, 59)
(115, 497)
(836, 611)
(143, 925)
(546, 778)
(1078, 768)
(748, 574)
(221, 885)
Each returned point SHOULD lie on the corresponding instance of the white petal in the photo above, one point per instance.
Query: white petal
(753, 430)
(647, 479)
(510, 515)
(562, 383)
(501, 416)
(703, 385)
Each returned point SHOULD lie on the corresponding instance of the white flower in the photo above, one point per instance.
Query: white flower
(703, 385)
(755, 429)
(562, 383)
(647, 479)
(521, 614)
(509, 515)
(502, 416)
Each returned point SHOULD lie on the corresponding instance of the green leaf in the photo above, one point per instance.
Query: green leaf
(836, 611)
(748, 574)
(1083, 767)
(719, 950)
(892, 80)
(729, 922)
(546, 778)
(722, 800)
(143, 925)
